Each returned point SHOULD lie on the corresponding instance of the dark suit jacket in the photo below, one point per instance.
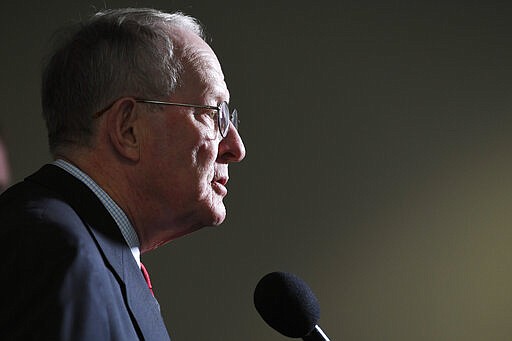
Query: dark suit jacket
(67, 272)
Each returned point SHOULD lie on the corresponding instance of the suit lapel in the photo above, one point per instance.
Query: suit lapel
(142, 305)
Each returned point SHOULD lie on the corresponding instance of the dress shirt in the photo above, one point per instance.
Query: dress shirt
(122, 221)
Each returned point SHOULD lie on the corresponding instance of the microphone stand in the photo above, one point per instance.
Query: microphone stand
(316, 334)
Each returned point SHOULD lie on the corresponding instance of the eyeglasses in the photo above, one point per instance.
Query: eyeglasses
(224, 116)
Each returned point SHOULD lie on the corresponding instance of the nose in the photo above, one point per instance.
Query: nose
(231, 148)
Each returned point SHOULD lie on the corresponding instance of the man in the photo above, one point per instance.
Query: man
(5, 170)
(136, 109)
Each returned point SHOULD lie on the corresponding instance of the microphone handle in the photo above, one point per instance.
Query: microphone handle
(316, 334)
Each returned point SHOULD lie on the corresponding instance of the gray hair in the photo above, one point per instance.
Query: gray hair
(115, 53)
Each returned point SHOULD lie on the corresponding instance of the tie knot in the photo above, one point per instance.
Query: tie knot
(146, 277)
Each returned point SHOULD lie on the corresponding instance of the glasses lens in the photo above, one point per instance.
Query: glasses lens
(224, 119)
(234, 118)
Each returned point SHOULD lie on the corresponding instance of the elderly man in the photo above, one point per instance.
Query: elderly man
(137, 113)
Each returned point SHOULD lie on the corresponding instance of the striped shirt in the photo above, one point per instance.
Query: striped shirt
(115, 211)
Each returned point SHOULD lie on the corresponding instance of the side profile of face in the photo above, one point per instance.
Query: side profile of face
(185, 155)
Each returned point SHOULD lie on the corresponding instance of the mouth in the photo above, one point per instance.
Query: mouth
(219, 185)
(223, 180)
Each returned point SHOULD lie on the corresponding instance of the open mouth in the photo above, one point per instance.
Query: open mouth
(219, 185)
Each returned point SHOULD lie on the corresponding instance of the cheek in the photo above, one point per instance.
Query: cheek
(204, 161)
(190, 160)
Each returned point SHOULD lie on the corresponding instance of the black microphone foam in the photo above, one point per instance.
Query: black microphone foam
(287, 304)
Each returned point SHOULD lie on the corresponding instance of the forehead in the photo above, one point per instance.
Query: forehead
(202, 71)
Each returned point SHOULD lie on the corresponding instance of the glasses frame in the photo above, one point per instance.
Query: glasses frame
(232, 115)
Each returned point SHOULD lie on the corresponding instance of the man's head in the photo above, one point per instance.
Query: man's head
(113, 54)
(166, 165)
(5, 169)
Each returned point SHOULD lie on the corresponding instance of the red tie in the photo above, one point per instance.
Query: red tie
(146, 277)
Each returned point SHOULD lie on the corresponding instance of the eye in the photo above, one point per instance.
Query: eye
(208, 117)
(212, 114)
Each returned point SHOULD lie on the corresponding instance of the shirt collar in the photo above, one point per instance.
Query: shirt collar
(122, 221)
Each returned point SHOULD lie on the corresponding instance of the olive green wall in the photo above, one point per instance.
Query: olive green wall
(378, 164)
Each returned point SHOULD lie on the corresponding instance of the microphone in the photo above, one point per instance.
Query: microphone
(289, 306)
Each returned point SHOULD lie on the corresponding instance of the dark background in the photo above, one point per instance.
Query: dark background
(378, 165)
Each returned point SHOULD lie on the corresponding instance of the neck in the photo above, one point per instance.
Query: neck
(124, 184)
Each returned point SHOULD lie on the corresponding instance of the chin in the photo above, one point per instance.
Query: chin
(218, 218)
(217, 214)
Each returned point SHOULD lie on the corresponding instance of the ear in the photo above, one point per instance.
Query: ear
(124, 129)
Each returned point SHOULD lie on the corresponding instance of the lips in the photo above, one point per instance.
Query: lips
(221, 180)
(219, 185)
